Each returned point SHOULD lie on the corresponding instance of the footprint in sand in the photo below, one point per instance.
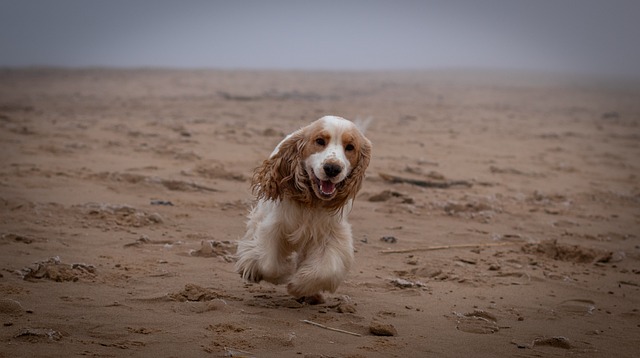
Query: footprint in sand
(478, 321)
(576, 307)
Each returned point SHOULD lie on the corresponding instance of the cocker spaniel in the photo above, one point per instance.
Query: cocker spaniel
(298, 233)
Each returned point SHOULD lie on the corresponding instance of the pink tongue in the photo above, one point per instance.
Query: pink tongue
(327, 187)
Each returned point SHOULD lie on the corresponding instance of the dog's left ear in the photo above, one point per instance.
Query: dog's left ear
(355, 179)
(282, 175)
(358, 173)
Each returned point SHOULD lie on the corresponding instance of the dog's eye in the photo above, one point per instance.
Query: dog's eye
(320, 142)
(349, 147)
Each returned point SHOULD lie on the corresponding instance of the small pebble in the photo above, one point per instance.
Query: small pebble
(161, 202)
(10, 307)
(156, 218)
(557, 342)
(380, 329)
(346, 308)
(389, 239)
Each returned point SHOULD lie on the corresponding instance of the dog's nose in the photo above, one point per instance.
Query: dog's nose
(332, 170)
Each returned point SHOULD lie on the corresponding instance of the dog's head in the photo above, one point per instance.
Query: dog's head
(321, 164)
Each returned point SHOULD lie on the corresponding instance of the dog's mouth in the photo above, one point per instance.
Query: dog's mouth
(325, 188)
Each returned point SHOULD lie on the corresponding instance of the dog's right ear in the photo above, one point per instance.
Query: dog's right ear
(283, 174)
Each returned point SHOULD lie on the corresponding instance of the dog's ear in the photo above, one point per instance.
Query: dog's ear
(354, 181)
(283, 174)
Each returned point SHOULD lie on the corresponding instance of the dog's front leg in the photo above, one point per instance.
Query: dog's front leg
(322, 268)
(264, 253)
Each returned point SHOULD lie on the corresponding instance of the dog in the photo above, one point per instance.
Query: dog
(298, 233)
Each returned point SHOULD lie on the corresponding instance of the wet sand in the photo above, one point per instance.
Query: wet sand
(500, 215)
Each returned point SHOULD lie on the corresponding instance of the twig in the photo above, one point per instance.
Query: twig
(630, 283)
(442, 184)
(330, 328)
(445, 247)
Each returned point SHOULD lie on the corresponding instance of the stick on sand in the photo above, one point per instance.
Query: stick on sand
(445, 247)
(442, 184)
(330, 328)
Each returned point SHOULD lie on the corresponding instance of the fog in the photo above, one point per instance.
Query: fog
(569, 36)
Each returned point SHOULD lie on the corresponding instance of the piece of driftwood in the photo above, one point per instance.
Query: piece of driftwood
(445, 247)
(330, 328)
(440, 184)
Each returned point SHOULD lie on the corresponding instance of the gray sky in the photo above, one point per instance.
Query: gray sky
(580, 36)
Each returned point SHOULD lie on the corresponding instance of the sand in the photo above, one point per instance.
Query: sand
(500, 215)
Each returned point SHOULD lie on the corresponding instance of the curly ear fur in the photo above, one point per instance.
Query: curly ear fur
(283, 174)
(353, 182)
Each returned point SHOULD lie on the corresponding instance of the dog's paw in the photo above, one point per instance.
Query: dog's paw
(249, 272)
(251, 276)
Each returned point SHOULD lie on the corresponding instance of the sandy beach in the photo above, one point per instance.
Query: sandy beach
(500, 216)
